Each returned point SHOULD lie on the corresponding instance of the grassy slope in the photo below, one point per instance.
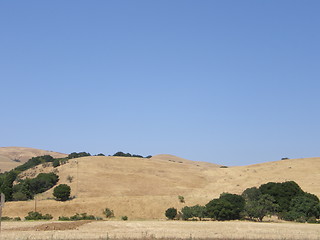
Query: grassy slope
(23, 154)
(144, 188)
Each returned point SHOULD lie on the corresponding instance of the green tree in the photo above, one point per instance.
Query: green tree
(77, 155)
(56, 163)
(62, 192)
(282, 193)
(261, 207)
(196, 211)
(108, 212)
(171, 213)
(227, 207)
(251, 194)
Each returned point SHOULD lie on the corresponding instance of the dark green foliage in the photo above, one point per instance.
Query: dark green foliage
(227, 207)
(77, 155)
(171, 213)
(62, 192)
(29, 187)
(124, 218)
(260, 207)
(302, 207)
(5, 218)
(287, 200)
(223, 166)
(251, 194)
(38, 216)
(122, 154)
(34, 162)
(6, 181)
(56, 163)
(78, 217)
(196, 211)
(19, 196)
(282, 193)
(100, 154)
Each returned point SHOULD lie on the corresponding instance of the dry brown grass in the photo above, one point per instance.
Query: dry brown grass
(168, 230)
(145, 188)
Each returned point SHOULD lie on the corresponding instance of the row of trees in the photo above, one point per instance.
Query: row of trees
(285, 200)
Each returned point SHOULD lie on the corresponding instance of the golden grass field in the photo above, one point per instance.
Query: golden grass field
(143, 189)
(158, 230)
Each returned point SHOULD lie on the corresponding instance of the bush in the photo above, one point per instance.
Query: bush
(181, 199)
(227, 207)
(193, 212)
(62, 192)
(109, 213)
(171, 213)
(56, 163)
(124, 218)
(38, 216)
(77, 155)
(78, 217)
(19, 196)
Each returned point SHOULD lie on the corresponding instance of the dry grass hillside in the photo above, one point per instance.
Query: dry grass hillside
(11, 157)
(143, 188)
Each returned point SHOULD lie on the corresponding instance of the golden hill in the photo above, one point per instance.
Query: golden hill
(11, 157)
(142, 188)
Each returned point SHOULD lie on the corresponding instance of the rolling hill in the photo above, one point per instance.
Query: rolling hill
(11, 157)
(142, 188)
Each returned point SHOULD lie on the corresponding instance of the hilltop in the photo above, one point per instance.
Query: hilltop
(142, 188)
(11, 157)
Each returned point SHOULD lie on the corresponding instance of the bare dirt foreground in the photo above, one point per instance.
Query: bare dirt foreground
(157, 230)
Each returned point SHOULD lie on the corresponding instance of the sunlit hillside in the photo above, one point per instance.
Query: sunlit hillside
(143, 188)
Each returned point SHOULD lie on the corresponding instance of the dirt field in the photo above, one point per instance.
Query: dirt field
(157, 229)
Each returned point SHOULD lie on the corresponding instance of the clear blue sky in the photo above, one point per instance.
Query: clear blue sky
(229, 82)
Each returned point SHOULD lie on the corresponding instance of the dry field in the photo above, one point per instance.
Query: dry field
(145, 188)
(158, 230)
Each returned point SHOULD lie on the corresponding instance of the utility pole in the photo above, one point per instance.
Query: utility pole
(2, 200)
(77, 194)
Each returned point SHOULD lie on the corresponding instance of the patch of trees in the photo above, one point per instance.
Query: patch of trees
(122, 154)
(285, 200)
(27, 188)
(34, 162)
(77, 155)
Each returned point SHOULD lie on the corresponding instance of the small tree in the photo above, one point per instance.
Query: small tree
(109, 213)
(62, 192)
(181, 199)
(56, 163)
(171, 213)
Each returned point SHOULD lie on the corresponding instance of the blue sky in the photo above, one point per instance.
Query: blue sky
(228, 82)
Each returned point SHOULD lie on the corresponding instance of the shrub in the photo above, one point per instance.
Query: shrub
(196, 211)
(227, 207)
(124, 218)
(56, 163)
(223, 166)
(19, 196)
(181, 199)
(109, 213)
(69, 178)
(62, 192)
(77, 155)
(171, 213)
(38, 216)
